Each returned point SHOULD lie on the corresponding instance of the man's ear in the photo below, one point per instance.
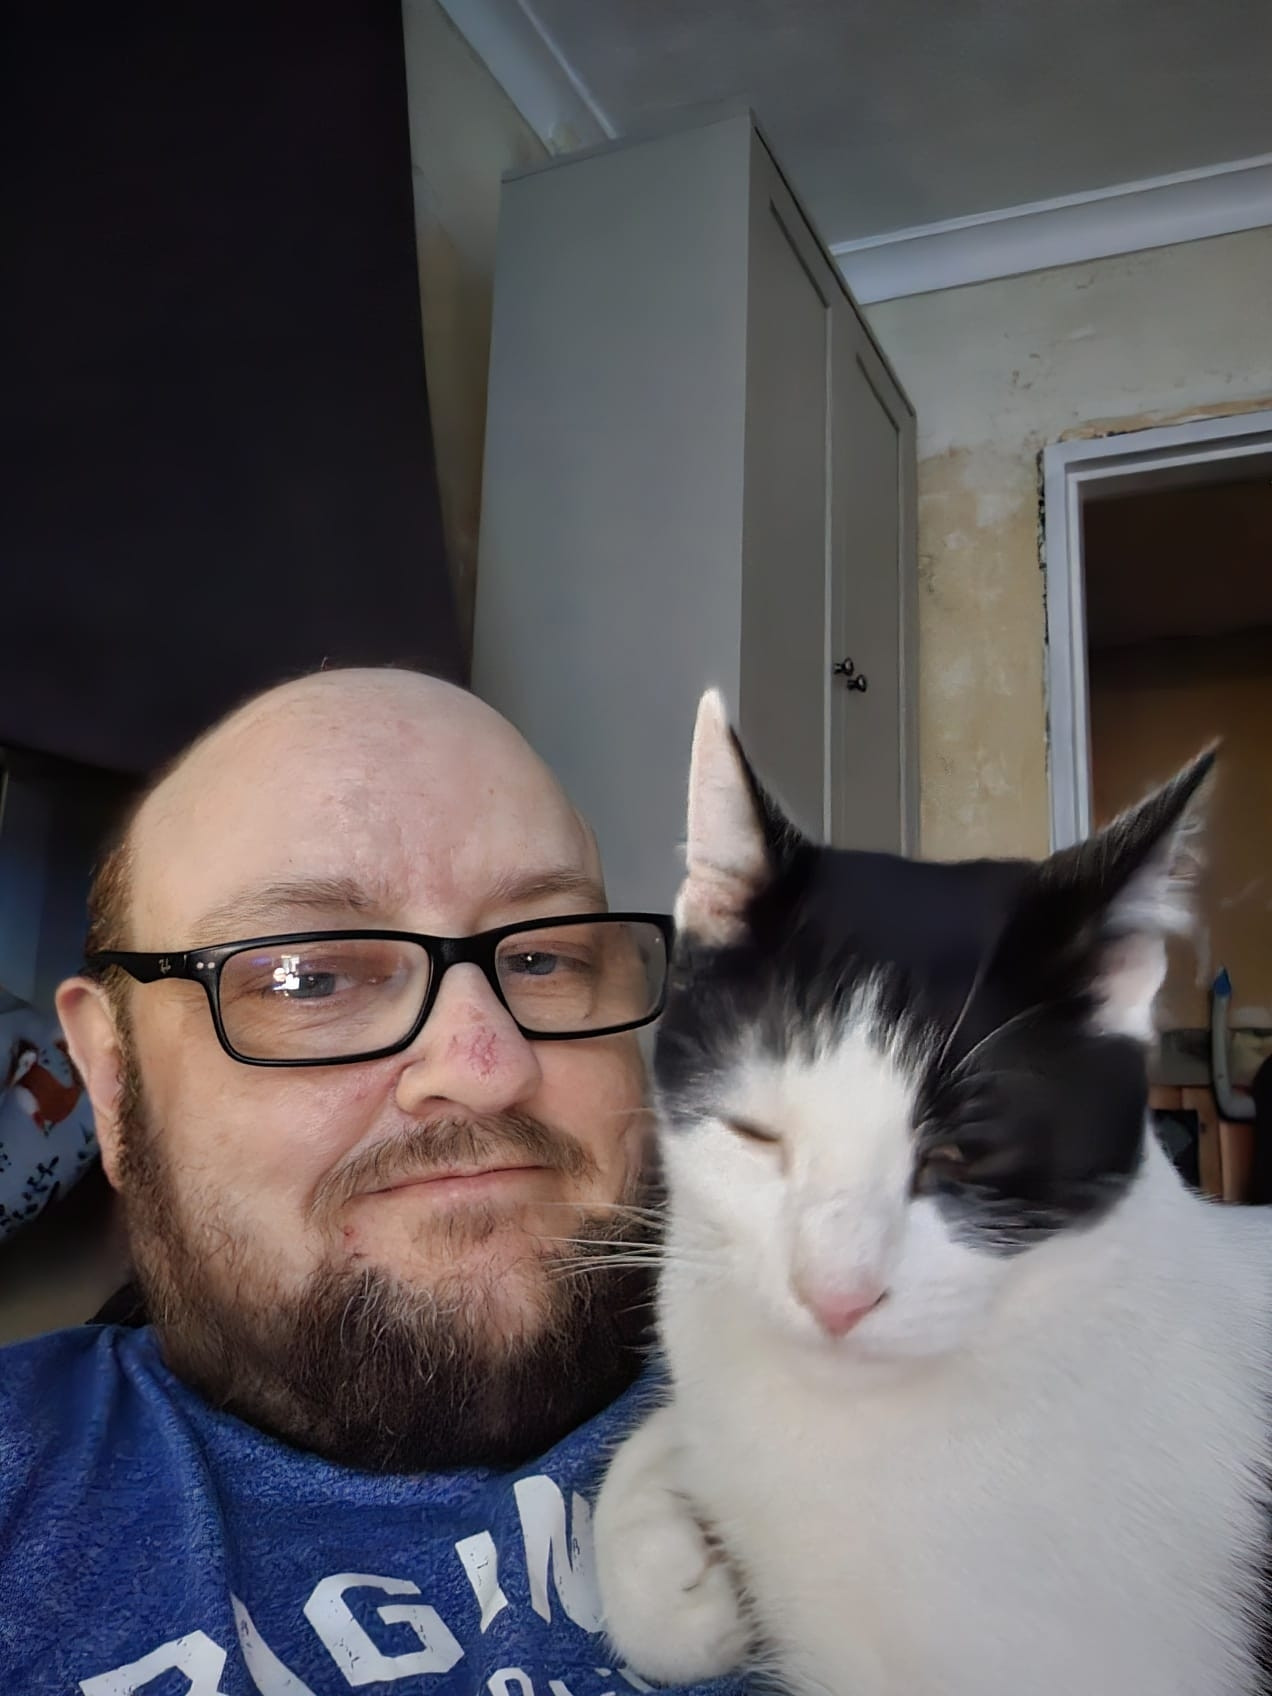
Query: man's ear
(92, 1039)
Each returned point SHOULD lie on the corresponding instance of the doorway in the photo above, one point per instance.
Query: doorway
(1159, 592)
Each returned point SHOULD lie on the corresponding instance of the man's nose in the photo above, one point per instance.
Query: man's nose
(470, 1051)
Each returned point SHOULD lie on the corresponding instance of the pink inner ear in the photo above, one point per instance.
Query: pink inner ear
(1131, 973)
(711, 905)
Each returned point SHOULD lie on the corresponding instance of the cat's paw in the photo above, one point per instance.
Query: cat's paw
(669, 1599)
(671, 1606)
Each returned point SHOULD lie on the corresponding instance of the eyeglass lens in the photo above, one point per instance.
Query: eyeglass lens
(329, 998)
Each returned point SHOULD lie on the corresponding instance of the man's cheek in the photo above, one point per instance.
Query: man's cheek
(293, 1143)
(593, 1092)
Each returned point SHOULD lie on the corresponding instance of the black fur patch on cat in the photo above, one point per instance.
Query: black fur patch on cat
(990, 973)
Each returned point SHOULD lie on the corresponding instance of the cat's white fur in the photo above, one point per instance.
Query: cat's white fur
(1040, 1474)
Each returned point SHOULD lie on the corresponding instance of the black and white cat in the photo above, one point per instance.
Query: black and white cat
(971, 1391)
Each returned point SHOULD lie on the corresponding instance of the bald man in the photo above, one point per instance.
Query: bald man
(359, 1035)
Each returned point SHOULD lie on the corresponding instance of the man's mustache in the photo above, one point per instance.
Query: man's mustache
(425, 1151)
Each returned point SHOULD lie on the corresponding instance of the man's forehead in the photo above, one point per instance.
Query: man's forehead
(258, 907)
(399, 817)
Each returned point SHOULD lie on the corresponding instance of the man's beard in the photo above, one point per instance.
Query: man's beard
(370, 1369)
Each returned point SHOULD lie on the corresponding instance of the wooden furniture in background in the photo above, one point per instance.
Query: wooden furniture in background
(1225, 1149)
(1236, 1146)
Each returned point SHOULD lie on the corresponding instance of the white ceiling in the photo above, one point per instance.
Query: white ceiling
(891, 114)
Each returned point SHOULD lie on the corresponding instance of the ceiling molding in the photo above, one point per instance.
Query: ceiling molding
(533, 72)
(537, 76)
(1129, 218)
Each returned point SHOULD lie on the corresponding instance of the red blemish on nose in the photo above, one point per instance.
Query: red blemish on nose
(480, 1050)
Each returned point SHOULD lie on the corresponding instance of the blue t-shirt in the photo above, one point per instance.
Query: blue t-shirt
(151, 1546)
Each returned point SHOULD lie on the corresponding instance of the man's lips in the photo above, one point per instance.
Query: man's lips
(457, 1180)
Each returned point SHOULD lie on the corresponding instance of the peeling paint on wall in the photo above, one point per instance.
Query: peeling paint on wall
(1155, 420)
(979, 741)
(996, 371)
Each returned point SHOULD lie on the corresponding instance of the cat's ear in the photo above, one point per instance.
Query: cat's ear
(1107, 906)
(737, 837)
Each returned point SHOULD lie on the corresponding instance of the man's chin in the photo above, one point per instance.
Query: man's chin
(488, 1366)
(427, 1245)
(482, 1349)
(499, 1287)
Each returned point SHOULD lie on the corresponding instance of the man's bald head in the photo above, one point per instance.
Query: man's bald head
(253, 754)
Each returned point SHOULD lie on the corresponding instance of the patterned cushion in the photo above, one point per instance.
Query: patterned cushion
(46, 1123)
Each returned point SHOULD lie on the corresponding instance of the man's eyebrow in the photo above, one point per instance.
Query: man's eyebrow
(515, 889)
(271, 904)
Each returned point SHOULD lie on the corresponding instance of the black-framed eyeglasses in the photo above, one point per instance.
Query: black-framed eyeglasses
(330, 998)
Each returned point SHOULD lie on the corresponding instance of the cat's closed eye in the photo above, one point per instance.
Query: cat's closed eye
(942, 1161)
(748, 1130)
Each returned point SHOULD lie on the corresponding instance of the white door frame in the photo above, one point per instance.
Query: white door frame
(1203, 450)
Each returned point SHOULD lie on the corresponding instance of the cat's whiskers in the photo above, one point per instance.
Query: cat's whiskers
(605, 1255)
(998, 1030)
(654, 1253)
(588, 1267)
(978, 978)
(632, 1210)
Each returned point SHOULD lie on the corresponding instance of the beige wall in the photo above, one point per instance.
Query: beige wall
(1152, 708)
(996, 371)
(465, 133)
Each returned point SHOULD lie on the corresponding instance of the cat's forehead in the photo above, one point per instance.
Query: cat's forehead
(935, 921)
(913, 904)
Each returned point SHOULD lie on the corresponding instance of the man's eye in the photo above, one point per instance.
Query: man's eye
(294, 983)
(548, 963)
(538, 964)
(311, 986)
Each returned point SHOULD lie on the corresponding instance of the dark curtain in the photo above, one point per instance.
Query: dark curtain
(216, 467)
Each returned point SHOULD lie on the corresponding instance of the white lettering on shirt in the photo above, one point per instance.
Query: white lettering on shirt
(480, 1560)
(196, 1655)
(500, 1683)
(549, 1548)
(269, 1675)
(354, 1652)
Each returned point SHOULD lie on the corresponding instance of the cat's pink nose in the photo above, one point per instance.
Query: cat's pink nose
(836, 1309)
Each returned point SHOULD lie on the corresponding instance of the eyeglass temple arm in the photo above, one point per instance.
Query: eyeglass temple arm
(146, 968)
